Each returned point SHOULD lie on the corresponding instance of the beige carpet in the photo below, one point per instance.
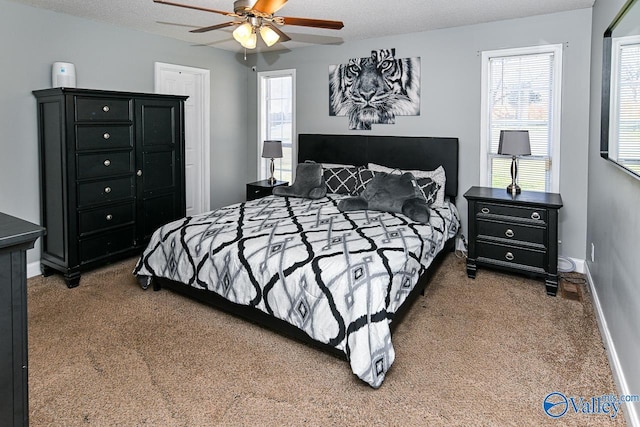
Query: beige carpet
(470, 352)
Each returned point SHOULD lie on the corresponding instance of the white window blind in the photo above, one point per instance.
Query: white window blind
(522, 93)
(625, 114)
(277, 107)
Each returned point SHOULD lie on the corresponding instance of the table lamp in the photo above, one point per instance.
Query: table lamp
(514, 143)
(272, 149)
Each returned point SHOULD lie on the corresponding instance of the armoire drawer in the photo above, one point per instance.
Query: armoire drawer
(102, 109)
(93, 220)
(511, 231)
(91, 137)
(511, 255)
(107, 190)
(109, 163)
(106, 244)
(520, 212)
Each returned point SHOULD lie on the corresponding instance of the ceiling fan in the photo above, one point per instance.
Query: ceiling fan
(258, 17)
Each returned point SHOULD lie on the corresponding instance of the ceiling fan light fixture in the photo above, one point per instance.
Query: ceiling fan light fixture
(251, 42)
(269, 36)
(243, 33)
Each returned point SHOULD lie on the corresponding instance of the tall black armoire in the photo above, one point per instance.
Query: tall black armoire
(111, 171)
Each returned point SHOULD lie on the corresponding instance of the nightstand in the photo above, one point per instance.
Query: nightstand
(515, 233)
(259, 189)
(16, 236)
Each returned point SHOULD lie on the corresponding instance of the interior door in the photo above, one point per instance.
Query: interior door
(193, 82)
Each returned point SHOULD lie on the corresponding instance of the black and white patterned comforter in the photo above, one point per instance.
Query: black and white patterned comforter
(340, 277)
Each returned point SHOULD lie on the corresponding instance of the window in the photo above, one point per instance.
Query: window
(624, 115)
(521, 89)
(276, 112)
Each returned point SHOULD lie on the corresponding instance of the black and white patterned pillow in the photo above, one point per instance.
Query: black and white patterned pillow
(341, 180)
(364, 177)
(429, 189)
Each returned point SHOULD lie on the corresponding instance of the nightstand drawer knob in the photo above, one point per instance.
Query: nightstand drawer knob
(106, 135)
(509, 256)
(107, 190)
(485, 210)
(535, 215)
(109, 217)
(107, 163)
(106, 108)
(509, 233)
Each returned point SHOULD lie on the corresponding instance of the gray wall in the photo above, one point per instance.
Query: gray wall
(112, 58)
(613, 225)
(451, 96)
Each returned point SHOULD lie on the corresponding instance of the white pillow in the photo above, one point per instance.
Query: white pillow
(335, 165)
(438, 175)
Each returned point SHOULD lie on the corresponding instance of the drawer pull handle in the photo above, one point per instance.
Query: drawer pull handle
(509, 233)
(107, 190)
(106, 135)
(109, 217)
(509, 256)
(139, 173)
(535, 215)
(107, 162)
(485, 210)
(106, 108)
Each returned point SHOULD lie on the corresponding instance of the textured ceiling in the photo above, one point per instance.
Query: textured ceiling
(362, 19)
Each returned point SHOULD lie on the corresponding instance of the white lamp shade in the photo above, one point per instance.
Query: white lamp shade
(514, 143)
(251, 42)
(243, 33)
(272, 149)
(269, 36)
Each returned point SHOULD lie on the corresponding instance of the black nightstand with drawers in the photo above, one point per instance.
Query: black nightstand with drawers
(516, 233)
(260, 189)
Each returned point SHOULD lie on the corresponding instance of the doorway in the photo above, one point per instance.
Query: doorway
(194, 82)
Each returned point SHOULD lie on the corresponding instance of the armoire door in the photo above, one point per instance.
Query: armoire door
(159, 164)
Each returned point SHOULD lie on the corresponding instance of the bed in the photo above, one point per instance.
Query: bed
(340, 281)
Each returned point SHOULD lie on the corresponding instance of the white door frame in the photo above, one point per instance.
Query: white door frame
(203, 76)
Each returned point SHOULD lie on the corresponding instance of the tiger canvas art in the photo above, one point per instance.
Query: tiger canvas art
(375, 89)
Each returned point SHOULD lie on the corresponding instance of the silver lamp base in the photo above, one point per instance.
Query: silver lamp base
(272, 167)
(513, 188)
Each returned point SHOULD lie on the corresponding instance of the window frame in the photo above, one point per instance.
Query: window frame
(262, 165)
(617, 45)
(556, 110)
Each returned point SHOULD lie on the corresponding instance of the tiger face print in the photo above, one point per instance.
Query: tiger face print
(375, 89)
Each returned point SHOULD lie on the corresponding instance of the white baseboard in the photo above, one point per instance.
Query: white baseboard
(630, 410)
(580, 265)
(33, 269)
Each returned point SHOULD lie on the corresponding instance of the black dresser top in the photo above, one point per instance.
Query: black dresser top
(15, 231)
(102, 93)
(533, 198)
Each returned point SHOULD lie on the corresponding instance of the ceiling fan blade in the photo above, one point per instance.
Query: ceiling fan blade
(268, 7)
(317, 23)
(283, 36)
(213, 27)
(188, 6)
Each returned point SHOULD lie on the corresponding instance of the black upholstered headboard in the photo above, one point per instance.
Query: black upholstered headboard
(403, 152)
